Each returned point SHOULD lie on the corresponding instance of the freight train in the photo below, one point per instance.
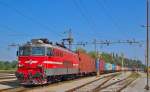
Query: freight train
(42, 62)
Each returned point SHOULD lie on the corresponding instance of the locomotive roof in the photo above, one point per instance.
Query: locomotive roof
(49, 45)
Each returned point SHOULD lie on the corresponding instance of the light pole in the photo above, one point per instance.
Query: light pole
(122, 61)
(147, 45)
(97, 58)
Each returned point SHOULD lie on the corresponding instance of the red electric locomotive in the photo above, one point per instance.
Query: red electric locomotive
(40, 62)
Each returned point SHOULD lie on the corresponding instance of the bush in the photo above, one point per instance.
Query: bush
(8, 65)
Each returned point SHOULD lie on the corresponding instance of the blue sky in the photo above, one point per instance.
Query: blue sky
(22, 20)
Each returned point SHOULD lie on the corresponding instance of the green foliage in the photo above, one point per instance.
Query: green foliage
(107, 57)
(92, 54)
(81, 49)
(6, 65)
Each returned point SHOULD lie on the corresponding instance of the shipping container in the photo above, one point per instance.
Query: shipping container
(86, 63)
(123, 69)
(113, 67)
(118, 68)
(97, 65)
(108, 67)
(101, 65)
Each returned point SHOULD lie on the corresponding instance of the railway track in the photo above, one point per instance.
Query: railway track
(6, 74)
(92, 85)
(17, 89)
(119, 85)
(4, 77)
(106, 84)
(8, 77)
(20, 88)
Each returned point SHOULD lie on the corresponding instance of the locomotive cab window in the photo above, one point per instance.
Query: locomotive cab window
(38, 51)
(49, 52)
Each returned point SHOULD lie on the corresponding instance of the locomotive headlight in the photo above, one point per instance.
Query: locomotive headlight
(40, 65)
(20, 65)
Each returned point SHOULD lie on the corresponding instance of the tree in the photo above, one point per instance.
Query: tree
(2, 66)
(81, 49)
(14, 64)
(8, 65)
(107, 57)
(92, 54)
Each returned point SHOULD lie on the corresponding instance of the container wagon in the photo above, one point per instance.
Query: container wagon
(101, 66)
(108, 67)
(86, 64)
(113, 67)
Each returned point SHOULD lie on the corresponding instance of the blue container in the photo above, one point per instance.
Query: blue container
(113, 67)
(107, 66)
(97, 64)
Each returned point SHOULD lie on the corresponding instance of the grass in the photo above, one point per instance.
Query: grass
(134, 75)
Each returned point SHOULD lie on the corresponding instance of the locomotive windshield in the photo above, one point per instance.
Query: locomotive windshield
(34, 51)
(38, 51)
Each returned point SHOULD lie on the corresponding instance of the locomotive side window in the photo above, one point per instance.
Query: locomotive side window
(38, 51)
(49, 52)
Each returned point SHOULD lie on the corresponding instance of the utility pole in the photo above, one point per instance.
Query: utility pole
(147, 45)
(69, 39)
(122, 64)
(95, 46)
(97, 58)
(122, 60)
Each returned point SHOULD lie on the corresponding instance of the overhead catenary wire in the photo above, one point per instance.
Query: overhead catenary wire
(106, 12)
(12, 32)
(90, 18)
(82, 10)
(108, 42)
(29, 18)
